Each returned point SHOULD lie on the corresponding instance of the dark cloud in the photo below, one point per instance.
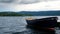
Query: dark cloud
(33, 1)
(28, 1)
(6, 1)
(22, 1)
(19, 1)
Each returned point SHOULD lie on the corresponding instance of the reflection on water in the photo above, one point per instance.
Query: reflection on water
(31, 30)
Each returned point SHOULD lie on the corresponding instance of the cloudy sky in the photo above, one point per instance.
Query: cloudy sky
(29, 5)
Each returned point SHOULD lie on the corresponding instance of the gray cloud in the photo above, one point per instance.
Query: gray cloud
(22, 1)
(6, 1)
(28, 1)
(15, 5)
(32, 1)
(19, 1)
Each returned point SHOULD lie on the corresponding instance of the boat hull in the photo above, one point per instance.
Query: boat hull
(44, 22)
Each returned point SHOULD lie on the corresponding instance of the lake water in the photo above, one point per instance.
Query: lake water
(17, 25)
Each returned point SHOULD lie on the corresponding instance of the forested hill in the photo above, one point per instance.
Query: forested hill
(13, 14)
(42, 13)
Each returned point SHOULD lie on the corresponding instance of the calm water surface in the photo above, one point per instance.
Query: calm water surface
(17, 25)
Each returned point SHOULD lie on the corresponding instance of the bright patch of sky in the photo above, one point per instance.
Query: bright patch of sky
(29, 5)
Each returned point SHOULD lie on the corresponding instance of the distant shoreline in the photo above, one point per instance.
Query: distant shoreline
(13, 14)
(28, 13)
